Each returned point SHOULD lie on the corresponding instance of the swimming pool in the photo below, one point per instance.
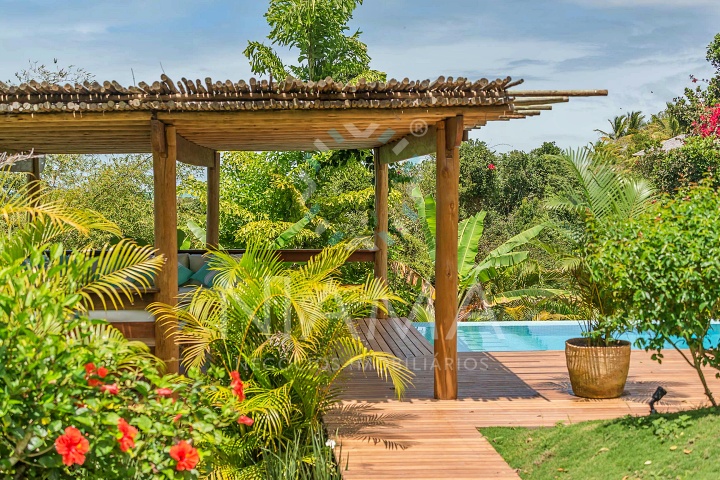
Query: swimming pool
(524, 336)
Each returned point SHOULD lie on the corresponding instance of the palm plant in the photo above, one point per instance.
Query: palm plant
(604, 194)
(669, 125)
(475, 275)
(635, 121)
(32, 224)
(618, 128)
(288, 331)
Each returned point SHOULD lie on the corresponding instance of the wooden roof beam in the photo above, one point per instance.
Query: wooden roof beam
(415, 144)
(194, 154)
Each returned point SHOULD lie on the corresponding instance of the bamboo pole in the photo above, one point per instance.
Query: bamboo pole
(213, 204)
(164, 176)
(381, 221)
(449, 137)
(558, 93)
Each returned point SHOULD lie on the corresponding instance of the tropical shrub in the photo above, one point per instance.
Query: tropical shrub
(76, 398)
(288, 331)
(605, 195)
(664, 270)
(474, 276)
(80, 401)
(681, 167)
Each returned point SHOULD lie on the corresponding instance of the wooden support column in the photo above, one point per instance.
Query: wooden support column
(212, 227)
(381, 221)
(164, 145)
(33, 179)
(449, 138)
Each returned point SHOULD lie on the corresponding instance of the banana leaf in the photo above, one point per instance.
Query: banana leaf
(291, 232)
(469, 232)
(426, 210)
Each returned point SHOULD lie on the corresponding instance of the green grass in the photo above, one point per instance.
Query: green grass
(673, 446)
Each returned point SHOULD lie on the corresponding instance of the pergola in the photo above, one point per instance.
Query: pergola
(192, 121)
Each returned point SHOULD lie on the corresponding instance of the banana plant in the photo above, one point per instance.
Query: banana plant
(471, 273)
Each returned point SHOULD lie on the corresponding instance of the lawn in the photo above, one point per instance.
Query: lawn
(673, 446)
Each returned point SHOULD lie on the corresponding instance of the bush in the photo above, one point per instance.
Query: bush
(86, 380)
(678, 168)
(664, 269)
(76, 398)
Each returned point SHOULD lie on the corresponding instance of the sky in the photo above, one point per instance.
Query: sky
(642, 51)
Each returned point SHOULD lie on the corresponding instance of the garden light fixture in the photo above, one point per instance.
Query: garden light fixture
(660, 392)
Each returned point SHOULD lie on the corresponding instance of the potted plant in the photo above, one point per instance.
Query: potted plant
(598, 363)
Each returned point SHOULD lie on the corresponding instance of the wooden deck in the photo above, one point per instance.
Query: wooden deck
(422, 438)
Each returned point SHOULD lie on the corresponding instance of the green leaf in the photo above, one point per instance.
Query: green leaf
(182, 240)
(469, 233)
(290, 233)
(111, 418)
(426, 210)
(198, 232)
(144, 423)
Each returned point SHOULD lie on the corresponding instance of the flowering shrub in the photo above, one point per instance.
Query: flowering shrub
(76, 398)
(94, 406)
(709, 123)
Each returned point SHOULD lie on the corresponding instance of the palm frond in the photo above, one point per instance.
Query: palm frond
(119, 272)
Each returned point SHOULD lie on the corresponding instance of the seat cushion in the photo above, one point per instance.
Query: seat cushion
(184, 274)
(205, 276)
(196, 261)
(184, 259)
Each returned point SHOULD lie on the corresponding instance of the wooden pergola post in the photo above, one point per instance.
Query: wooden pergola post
(212, 227)
(164, 146)
(33, 179)
(381, 221)
(449, 138)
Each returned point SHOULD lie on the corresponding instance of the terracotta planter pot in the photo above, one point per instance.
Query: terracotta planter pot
(597, 372)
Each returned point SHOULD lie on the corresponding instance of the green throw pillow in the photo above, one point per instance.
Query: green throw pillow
(184, 274)
(205, 276)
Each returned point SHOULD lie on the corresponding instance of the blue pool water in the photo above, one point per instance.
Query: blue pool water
(525, 336)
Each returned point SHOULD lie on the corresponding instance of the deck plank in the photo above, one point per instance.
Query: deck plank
(423, 438)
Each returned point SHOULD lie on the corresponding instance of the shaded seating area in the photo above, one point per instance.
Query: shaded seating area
(192, 121)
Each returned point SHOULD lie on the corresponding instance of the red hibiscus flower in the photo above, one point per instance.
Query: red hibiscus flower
(163, 392)
(72, 446)
(244, 420)
(94, 382)
(491, 166)
(185, 456)
(127, 441)
(102, 372)
(112, 389)
(89, 368)
(237, 385)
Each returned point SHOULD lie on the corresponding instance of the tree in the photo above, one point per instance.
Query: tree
(635, 121)
(687, 108)
(473, 274)
(663, 269)
(318, 30)
(262, 194)
(618, 128)
(40, 73)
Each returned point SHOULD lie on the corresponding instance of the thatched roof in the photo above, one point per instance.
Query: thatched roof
(254, 115)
